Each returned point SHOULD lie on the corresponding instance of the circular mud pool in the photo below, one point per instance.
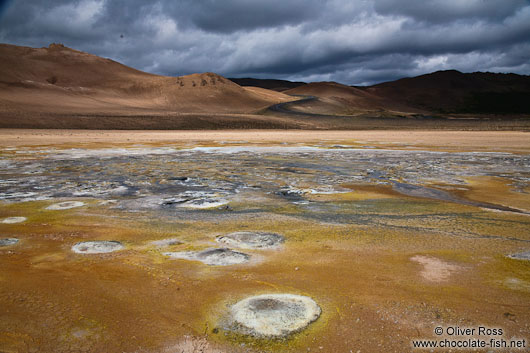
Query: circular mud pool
(252, 240)
(11, 220)
(8, 241)
(212, 257)
(273, 315)
(520, 256)
(97, 247)
(65, 205)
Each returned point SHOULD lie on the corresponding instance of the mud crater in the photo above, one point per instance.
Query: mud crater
(273, 315)
(252, 240)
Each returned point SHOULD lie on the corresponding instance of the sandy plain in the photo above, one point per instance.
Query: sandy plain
(456, 140)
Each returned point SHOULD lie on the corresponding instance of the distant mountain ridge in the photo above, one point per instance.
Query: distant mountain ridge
(440, 92)
(452, 91)
(59, 87)
(444, 92)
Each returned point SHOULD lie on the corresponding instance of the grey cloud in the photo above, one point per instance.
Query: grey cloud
(450, 10)
(232, 15)
(350, 41)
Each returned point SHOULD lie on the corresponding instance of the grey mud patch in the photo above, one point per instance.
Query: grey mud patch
(520, 256)
(97, 247)
(65, 205)
(273, 315)
(252, 240)
(8, 241)
(212, 257)
(12, 220)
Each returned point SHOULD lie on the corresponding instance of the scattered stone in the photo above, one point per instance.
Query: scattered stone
(65, 205)
(252, 240)
(97, 247)
(11, 220)
(8, 241)
(166, 242)
(274, 315)
(212, 257)
(520, 256)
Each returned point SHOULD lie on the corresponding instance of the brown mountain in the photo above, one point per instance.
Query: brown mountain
(58, 87)
(456, 92)
(337, 99)
(439, 93)
(58, 81)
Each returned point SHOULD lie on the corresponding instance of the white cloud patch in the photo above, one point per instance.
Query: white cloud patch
(77, 17)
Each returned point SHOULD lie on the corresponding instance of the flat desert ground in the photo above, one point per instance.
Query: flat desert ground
(483, 140)
(391, 234)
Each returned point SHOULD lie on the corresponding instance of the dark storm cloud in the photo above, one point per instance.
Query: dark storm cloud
(350, 41)
(233, 15)
(450, 10)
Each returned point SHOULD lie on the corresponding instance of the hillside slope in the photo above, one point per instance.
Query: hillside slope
(335, 98)
(60, 80)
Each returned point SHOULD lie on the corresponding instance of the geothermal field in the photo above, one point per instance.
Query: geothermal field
(253, 242)
(281, 176)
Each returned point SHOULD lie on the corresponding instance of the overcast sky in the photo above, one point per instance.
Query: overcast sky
(349, 41)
